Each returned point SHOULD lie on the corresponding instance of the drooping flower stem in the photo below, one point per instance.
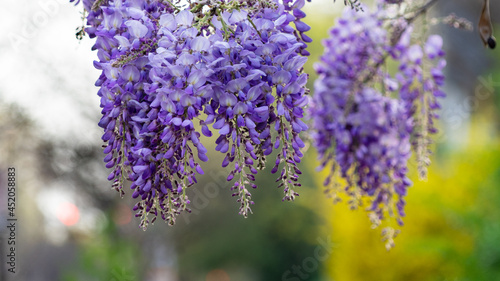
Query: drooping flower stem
(367, 134)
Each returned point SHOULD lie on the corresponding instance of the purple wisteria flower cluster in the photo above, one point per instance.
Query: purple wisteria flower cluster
(366, 120)
(173, 74)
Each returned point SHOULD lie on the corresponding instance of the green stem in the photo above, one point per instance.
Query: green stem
(173, 6)
(255, 27)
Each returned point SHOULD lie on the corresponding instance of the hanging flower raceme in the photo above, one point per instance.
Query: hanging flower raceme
(259, 89)
(365, 120)
(229, 71)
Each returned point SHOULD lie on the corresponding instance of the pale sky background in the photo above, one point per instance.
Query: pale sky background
(49, 74)
(46, 70)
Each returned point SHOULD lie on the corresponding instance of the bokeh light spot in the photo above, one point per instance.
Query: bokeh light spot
(68, 213)
(217, 275)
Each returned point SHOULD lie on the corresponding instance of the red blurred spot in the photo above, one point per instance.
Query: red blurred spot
(68, 213)
(217, 275)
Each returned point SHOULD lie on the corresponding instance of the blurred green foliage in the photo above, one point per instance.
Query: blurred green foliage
(275, 237)
(108, 256)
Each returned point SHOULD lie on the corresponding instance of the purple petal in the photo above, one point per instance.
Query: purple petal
(225, 129)
(415, 53)
(219, 124)
(433, 46)
(237, 16)
(200, 44)
(240, 108)
(169, 153)
(205, 131)
(196, 78)
(249, 123)
(302, 26)
(136, 28)
(177, 121)
(131, 73)
(228, 100)
(236, 85)
(282, 77)
(184, 17)
(168, 21)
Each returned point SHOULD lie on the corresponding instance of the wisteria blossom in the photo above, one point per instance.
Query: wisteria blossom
(366, 120)
(171, 73)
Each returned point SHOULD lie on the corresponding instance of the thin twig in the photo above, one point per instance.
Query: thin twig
(409, 20)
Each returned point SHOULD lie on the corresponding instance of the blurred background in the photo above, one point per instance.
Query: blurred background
(73, 227)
